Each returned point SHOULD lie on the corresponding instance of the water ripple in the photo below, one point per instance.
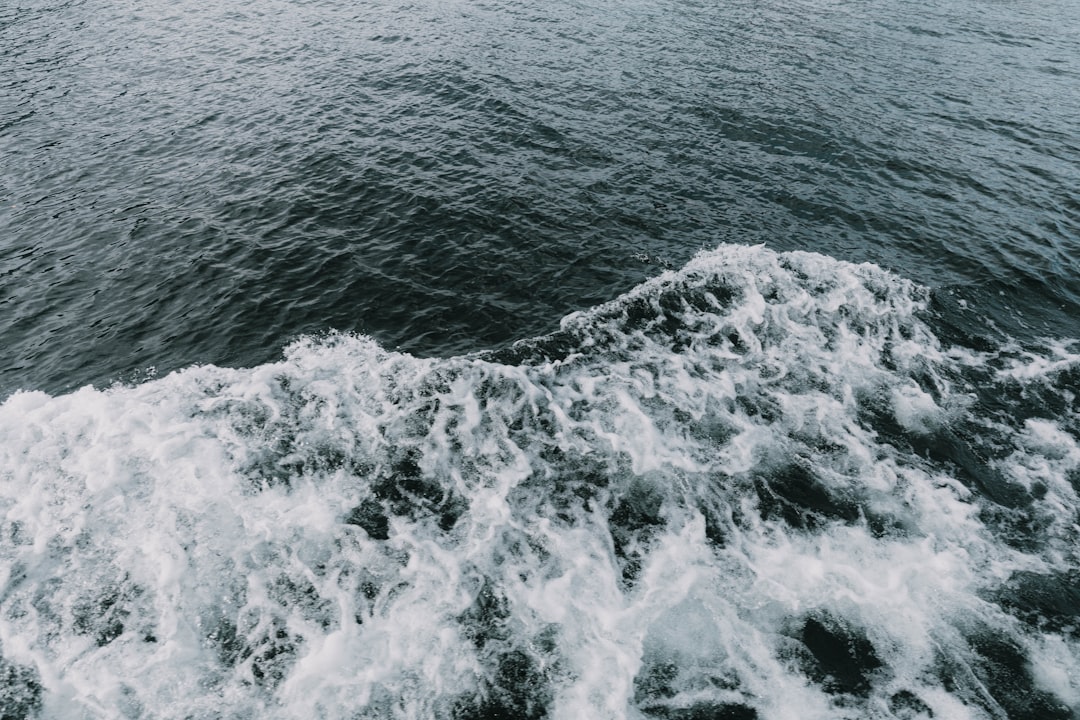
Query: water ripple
(201, 184)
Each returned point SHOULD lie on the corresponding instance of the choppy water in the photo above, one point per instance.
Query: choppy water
(825, 463)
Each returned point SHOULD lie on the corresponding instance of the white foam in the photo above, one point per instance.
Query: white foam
(1030, 365)
(564, 527)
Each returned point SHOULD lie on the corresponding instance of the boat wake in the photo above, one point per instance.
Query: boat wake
(759, 486)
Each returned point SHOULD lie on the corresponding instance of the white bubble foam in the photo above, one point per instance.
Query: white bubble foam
(732, 471)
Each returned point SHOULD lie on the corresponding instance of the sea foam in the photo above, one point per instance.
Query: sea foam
(756, 487)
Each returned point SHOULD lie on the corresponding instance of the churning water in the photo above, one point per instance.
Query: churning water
(804, 444)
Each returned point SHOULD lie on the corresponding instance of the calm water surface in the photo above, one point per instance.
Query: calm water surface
(186, 184)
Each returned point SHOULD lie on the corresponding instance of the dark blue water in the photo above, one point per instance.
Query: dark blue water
(183, 184)
(809, 445)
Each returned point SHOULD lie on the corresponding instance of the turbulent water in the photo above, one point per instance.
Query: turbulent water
(804, 444)
(755, 487)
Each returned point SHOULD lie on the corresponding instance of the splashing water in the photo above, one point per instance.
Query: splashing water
(757, 487)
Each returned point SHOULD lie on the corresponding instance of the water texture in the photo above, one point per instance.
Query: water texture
(184, 183)
(757, 487)
(567, 360)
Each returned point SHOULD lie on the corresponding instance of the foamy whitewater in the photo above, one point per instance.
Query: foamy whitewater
(756, 487)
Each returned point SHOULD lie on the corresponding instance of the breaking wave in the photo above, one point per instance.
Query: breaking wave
(760, 486)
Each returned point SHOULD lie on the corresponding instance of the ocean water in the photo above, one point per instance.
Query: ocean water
(645, 360)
